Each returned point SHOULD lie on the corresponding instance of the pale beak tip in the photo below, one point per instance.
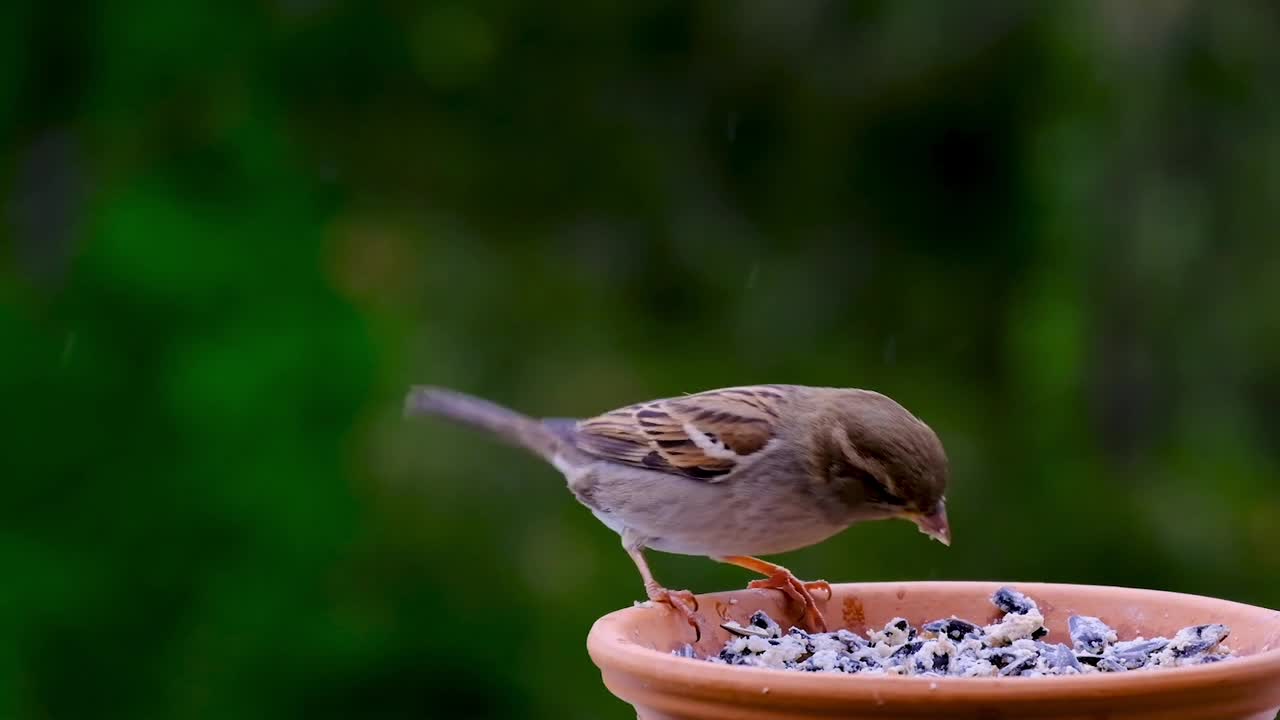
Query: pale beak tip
(935, 525)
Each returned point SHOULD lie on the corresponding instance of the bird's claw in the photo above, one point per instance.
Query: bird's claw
(683, 602)
(801, 592)
(822, 585)
(685, 596)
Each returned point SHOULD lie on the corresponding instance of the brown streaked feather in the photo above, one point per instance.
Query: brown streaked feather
(732, 424)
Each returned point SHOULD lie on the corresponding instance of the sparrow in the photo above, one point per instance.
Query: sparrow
(732, 473)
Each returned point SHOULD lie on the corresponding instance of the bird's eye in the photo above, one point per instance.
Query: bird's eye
(873, 490)
(880, 495)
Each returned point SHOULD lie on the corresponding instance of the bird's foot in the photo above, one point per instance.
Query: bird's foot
(822, 585)
(800, 592)
(683, 602)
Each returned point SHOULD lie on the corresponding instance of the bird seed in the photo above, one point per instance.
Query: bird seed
(1010, 647)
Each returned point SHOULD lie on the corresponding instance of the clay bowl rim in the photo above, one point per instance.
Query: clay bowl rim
(610, 651)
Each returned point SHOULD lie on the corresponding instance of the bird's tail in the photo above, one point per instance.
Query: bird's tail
(511, 426)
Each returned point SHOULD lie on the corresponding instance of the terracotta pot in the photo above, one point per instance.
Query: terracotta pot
(632, 648)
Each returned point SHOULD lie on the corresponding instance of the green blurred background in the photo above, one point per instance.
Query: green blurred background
(236, 232)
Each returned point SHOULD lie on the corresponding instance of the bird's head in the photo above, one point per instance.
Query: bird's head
(882, 462)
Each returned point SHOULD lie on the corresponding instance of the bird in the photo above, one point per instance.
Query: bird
(732, 473)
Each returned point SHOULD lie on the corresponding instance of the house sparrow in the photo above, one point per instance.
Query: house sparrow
(733, 473)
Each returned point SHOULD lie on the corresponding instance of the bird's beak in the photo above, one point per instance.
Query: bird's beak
(933, 524)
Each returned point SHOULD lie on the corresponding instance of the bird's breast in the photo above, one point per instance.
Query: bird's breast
(693, 517)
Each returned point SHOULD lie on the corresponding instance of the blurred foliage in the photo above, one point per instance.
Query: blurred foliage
(236, 232)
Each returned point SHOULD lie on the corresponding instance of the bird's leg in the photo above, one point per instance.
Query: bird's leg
(682, 601)
(780, 578)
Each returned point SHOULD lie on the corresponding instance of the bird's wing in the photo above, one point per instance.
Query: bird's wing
(703, 436)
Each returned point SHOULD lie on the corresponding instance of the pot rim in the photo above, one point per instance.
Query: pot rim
(611, 651)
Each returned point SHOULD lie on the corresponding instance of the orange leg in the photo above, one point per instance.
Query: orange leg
(682, 601)
(780, 578)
